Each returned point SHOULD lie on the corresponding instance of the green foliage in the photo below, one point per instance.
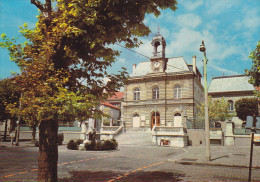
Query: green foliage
(246, 107)
(254, 72)
(218, 110)
(79, 141)
(9, 94)
(72, 145)
(102, 145)
(60, 138)
(64, 60)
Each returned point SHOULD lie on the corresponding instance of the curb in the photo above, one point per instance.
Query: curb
(212, 164)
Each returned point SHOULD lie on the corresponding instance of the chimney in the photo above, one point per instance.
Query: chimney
(194, 64)
(134, 67)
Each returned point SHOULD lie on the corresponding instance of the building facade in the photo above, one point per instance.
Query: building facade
(231, 88)
(162, 91)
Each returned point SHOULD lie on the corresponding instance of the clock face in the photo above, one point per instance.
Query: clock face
(157, 64)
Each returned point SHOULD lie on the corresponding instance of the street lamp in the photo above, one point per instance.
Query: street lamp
(207, 136)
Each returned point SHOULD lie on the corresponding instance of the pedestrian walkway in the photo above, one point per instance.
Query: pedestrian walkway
(233, 156)
(22, 143)
(135, 138)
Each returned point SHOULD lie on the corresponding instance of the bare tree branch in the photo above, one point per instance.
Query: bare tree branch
(38, 5)
(48, 6)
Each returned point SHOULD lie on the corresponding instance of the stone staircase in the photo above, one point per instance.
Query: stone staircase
(143, 138)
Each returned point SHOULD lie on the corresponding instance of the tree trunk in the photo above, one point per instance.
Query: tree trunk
(5, 132)
(33, 134)
(48, 151)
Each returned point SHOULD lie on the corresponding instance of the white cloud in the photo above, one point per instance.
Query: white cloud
(217, 7)
(250, 21)
(189, 20)
(163, 31)
(223, 70)
(146, 48)
(183, 42)
(191, 5)
(121, 60)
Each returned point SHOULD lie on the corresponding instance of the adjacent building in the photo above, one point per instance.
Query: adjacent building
(162, 91)
(231, 88)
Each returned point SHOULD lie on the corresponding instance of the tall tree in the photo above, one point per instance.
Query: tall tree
(218, 110)
(246, 107)
(254, 72)
(9, 94)
(69, 44)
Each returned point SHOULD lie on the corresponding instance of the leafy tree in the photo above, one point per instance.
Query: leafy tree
(254, 72)
(68, 47)
(218, 110)
(9, 94)
(246, 107)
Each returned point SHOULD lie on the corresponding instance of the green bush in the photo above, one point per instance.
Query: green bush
(60, 138)
(79, 141)
(102, 145)
(246, 107)
(72, 145)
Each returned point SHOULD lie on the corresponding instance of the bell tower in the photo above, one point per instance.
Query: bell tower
(158, 60)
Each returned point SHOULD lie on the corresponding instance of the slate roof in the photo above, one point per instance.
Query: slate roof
(230, 84)
(176, 64)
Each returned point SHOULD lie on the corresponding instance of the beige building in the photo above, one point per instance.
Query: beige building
(231, 88)
(162, 91)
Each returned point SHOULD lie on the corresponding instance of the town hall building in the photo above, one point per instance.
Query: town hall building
(162, 91)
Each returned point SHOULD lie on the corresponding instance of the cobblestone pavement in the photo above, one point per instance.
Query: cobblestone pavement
(129, 163)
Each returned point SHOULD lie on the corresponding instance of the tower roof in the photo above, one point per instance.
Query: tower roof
(173, 65)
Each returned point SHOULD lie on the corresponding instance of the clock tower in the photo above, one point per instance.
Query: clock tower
(158, 60)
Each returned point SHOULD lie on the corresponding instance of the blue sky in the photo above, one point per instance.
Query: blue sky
(230, 29)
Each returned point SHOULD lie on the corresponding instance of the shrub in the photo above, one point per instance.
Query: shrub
(246, 107)
(60, 138)
(89, 146)
(103, 145)
(79, 141)
(72, 145)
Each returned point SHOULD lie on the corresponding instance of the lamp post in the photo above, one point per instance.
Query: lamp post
(207, 136)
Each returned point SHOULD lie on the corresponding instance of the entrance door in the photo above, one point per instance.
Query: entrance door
(155, 117)
(177, 120)
(136, 121)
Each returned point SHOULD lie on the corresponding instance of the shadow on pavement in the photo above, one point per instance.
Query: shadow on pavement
(140, 176)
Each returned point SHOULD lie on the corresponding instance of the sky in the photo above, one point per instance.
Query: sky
(229, 28)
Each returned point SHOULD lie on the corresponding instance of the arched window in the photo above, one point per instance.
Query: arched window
(217, 125)
(231, 105)
(177, 114)
(156, 93)
(177, 91)
(136, 115)
(136, 94)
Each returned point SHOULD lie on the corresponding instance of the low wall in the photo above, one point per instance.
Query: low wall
(175, 140)
(71, 135)
(242, 140)
(196, 137)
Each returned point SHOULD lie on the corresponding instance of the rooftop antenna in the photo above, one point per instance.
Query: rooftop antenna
(158, 29)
